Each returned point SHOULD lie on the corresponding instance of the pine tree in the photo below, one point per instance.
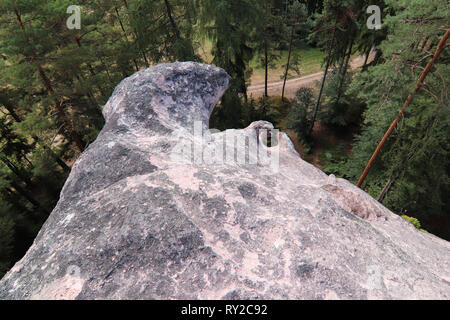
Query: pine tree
(368, 40)
(295, 20)
(164, 29)
(270, 31)
(337, 102)
(230, 25)
(27, 40)
(411, 173)
(334, 23)
(300, 116)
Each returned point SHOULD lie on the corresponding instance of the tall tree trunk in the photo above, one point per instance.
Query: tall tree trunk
(171, 19)
(378, 54)
(58, 160)
(16, 171)
(176, 30)
(266, 70)
(27, 196)
(385, 190)
(342, 62)
(143, 55)
(121, 24)
(107, 71)
(137, 39)
(330, 48)
(291, 40)
(366, 58)
(408, 101)
(5, 102)
(125, 35)
(61, 112)
(349, 55)
(344, 72)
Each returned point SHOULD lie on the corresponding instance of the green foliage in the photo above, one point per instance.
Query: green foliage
(297, 27)
(416, 156)
(415, 222)
(252, 110)
(293, 69)
(333, 160)
(336, 102)
(153, 26)
(335, 28)
(267, 42)
(299, 118)
(230, 25)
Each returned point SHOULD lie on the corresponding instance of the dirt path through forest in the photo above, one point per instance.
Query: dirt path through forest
(292, 85)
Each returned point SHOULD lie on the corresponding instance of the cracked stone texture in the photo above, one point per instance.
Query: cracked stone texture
(132, 223)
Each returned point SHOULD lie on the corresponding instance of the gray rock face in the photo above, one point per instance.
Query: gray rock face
(158, 207)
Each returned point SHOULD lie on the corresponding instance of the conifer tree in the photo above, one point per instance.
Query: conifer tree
(295, 19)
(411, 173)
(270, 31)
(334, 23)
(230, 25)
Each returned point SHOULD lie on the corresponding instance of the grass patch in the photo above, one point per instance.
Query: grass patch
(415, 222)
(311, 62)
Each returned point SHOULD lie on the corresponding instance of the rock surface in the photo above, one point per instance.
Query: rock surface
(142, 218)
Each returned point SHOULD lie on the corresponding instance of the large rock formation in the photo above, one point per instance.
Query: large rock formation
(152, 210)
